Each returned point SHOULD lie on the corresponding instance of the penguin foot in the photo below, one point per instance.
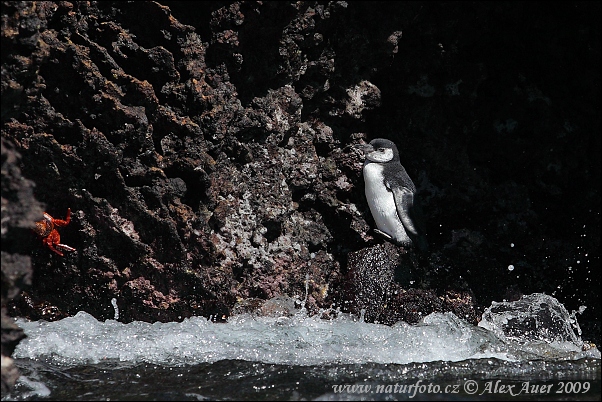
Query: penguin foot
(384, 235)
(389, 238)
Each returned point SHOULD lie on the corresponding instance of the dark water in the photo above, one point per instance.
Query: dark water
(486, 379)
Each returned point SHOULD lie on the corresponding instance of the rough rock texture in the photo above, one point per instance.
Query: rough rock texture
(19, 209)
(382, 286)
(206, 151)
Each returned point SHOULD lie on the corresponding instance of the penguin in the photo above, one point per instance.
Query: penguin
(391, 196)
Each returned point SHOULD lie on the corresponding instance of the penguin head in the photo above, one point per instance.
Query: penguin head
(381, 150)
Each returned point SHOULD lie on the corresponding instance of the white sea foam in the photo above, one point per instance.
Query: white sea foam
(37, 388)
(296, 340)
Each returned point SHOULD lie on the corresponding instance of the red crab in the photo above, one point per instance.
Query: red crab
(46, 230)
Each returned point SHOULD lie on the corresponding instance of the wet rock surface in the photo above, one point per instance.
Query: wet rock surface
(206, 152)
(383, 285)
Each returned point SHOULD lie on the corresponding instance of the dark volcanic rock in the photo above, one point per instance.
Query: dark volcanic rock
(382, 287)
(371, 282)
(19, 211)
(206, 151)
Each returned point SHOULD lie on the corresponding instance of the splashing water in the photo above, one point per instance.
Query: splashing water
(303, 340)
(537, 327)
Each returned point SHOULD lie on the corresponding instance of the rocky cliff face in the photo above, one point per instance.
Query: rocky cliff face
(207, 154)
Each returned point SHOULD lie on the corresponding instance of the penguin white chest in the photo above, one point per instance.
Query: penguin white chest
(382, 204)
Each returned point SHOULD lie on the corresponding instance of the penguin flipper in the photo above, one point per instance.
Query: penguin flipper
(408, 211)
(404, 202)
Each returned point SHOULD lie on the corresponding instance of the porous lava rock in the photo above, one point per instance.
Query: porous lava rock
(207, 152)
